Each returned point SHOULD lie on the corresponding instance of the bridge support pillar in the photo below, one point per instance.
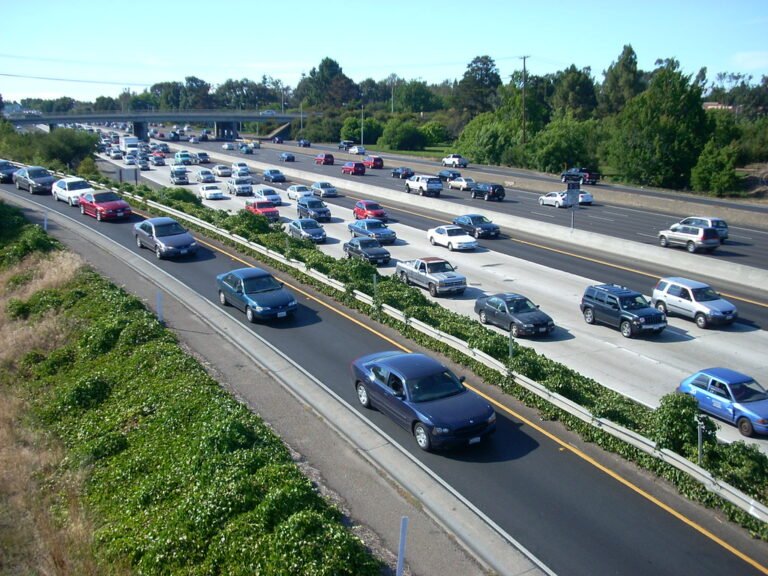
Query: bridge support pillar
(225, 130)
(140, 130)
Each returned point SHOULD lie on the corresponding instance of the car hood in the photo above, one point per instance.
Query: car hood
(314, 232)
(446, 275)
(376, 252)
(722, 306)
(177, 240)
(44, 179)
(487, 226)
(114, 205)
(456, 410)
(533, 317)
(279, 297)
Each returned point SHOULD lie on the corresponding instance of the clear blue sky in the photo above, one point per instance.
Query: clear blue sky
(136, 43)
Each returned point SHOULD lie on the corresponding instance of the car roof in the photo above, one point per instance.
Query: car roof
(616, 289)
(432, 259)
(244, 273)
(685, 282)
(160, 220)
(506, 296)
(727, 375)
(412, 365)
(369, 220)
(69, 179)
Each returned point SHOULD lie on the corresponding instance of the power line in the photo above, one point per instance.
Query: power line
(79, 81)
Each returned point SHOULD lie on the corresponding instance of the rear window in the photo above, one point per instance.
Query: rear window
(709, 233)
(434, 181)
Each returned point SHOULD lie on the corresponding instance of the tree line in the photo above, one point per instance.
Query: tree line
(645, 127)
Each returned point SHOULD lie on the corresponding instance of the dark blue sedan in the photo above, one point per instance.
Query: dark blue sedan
(424, 397)
(256, 292)
(372, 228)
(730, 396)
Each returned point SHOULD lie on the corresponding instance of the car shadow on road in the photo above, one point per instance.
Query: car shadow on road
(304, 316)
(508, 443)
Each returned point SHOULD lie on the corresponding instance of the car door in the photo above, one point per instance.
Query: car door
(145, 235)
(674, 299)
(440, 237)
(720, 400)
(394, 401)
(233, 286)
(685, 304)
(495, 311)
(88, 206)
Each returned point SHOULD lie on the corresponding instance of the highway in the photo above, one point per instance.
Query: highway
(537, 483)
(643, 368)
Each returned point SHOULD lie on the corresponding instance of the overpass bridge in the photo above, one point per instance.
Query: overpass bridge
(225, 122)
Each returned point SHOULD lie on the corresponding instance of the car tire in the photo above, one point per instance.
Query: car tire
(158, 253)
(407, 189)
(589, 316)
(483, 317)
(71, 202)
(558, 205)
(663, 242)
(626, 329)
(98, 216)
(477, 234)
(745, 427)
(404, 279)
(362, 395)
(486, 197)
(701, 321)
(514, 330)
(18, 185)
(541, 202)
(691, 247)
(421, 434)
(661, 307)
(250, 315)
(450, 247)
(223, 299)
(139, 245)
(82, 209)
(432, 240)
(433, 290)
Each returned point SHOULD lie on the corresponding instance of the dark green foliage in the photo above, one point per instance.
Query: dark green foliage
(20, 239)
(86, 392)
(715, 171)
(674, 425)
(565, 142)
(402, 134)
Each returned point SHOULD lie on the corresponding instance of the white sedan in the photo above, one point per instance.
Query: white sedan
(228, 146)
(69, 190)
(222, 171)
(461, 183)
(357, 150)
(240, 168)
(210, 192)
(267, 193)
(298, 190)
(585, 198)
(557, 199)
(452, 237)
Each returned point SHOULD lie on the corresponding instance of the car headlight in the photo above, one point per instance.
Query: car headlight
(193, 244)
(640, 321)
(292, 303)
(715, 313)
(492, 418)
(441, 430)
(529, 326)
(162, 246)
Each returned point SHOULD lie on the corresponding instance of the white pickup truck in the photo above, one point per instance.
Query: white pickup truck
(435, 274)
(455, 161)
(424, 185)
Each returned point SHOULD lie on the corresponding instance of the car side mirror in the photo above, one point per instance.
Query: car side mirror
(238, 290)
(462, 378)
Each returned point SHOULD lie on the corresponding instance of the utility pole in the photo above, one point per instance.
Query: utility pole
(523, 58)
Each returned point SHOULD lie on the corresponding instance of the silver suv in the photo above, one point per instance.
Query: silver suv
(708, 222)
(693, 238)
(694, 300)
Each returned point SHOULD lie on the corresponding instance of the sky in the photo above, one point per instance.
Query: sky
(85, 49)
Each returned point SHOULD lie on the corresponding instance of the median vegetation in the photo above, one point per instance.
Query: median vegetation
(158, 468)
(672, 426)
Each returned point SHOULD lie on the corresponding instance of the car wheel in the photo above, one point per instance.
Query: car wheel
(433, 290)
(82, 209)
(98, 215)
(661, 307)
(558, 204)
(745, 427)
(450, 247)
(349, 255)
(407, 190)
(514, 329)
(701, 321)
(663, 242)
(404, 278)
(541, 202)
(483, 317)
(421, 434)
(158, 253)
(53, 193)
(486, 197)
(139, 245)
(432, 240)
(250, 315)
(223, 299)
(71, 202)
(18, 185)
(477, 234)
(362, 395)
(626, 329)
(691, 247)
(589, 316)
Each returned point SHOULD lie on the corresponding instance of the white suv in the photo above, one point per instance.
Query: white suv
(694, 300)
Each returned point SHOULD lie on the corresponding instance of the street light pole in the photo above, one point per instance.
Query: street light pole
(301, 117)
(362, 125)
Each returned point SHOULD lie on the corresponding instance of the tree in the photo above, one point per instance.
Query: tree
(486, 138)
(434, 132)
(196, 94)
(622, 82)
(476, 91)
(167, 95)
(674, 426)
(575, 93)
(565, 142)
(2, 104)
(105, 104)
(243, 95)
(327, 85)
(402, 134)
(715, 170)
(350, 129)
(660, 133)
(415, 96)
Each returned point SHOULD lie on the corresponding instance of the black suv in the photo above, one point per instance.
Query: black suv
(622, 308)
(487, 191)
(312, 207)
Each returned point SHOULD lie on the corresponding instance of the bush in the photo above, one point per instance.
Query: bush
(715, 170)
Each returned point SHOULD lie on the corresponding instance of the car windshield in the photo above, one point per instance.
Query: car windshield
(478, 220)
(372, 206)
(375, 225)
(315, 204)
(434, 387)
(455, 231)
(240, 181)
(368, 243)
(261, 284)
(170, 229)
(520, 305)
(302, 189)
(324, 185)
(748, 392)
(634, 302)
(437, 267)
(264, 205)
(105, 197)
(79, 185)
(705, 294)
(310, 225)
(38, 173)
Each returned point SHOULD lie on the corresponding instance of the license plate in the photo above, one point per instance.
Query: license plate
(475, 440)
(542, 329)
(184, 251)
(282, 314)
(119, 213)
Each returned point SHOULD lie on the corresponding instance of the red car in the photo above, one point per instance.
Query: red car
(264, 208)
(355, 168)
(324, 159)
(104, 205)
(373, 162)
(369, 209)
